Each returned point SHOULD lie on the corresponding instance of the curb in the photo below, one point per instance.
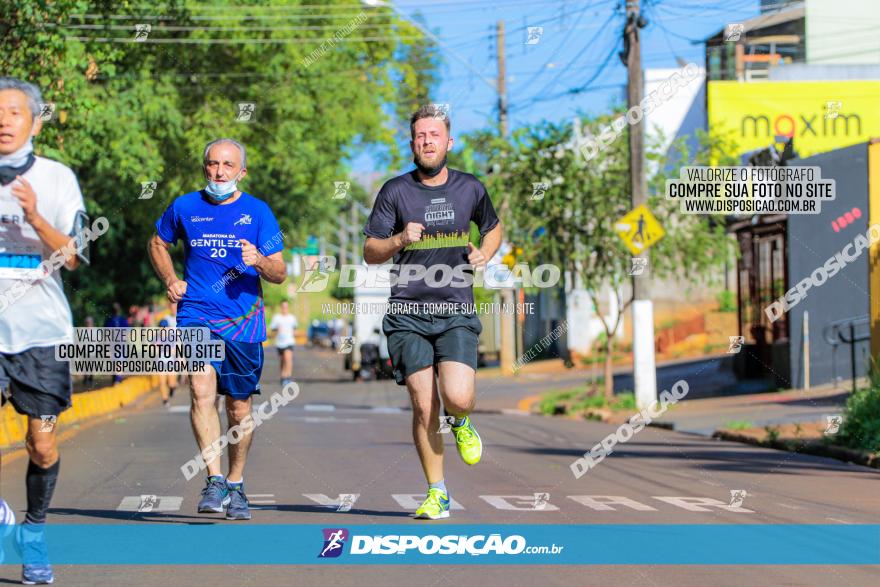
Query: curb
(87, 405)
(814, 448)
(526, 403)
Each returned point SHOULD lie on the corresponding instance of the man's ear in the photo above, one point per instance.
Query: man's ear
(243, 173)
(450, 144)
(37, 127)
(412, 147)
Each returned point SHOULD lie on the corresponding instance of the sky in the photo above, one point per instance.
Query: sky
(578, 48)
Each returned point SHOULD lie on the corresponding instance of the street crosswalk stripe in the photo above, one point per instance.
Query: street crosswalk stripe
(412, 501)
(319, 407)
(538, 501)
(150, 503)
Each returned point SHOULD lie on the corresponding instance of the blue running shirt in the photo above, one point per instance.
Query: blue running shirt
(222, 293)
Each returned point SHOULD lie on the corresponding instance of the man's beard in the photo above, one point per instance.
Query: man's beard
(430, 170)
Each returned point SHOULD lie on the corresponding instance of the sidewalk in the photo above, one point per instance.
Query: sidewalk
(708, 376)
(705, 416)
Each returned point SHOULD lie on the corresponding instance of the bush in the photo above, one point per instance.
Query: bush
(726, 301)
(861, 416)
(861, 420)
(589, 402)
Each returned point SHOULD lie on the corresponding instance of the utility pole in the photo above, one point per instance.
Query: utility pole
(508, 320)
(343, 242)
(355, 241)
(644, 368)
(502, 78)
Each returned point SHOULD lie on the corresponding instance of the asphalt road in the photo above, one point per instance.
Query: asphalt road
(340, 437)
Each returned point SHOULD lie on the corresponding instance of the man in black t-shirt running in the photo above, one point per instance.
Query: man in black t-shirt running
(423, 219)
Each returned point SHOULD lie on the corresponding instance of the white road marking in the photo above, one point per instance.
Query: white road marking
(702, 504)
(178, 409)
(319, 407)
(386, 410)
(326, 420)
(342, 503)
(603, 503)
(519, 503)
(412, 501)
(150, 503)
(261, 501)
(788, 506)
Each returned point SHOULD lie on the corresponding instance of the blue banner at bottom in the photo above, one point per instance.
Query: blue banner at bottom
(529, 544)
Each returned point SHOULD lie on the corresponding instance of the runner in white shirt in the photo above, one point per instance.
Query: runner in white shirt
(284, 325)
(40, 209)
(168, 381)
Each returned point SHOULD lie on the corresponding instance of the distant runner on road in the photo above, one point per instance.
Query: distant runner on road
(284, 326)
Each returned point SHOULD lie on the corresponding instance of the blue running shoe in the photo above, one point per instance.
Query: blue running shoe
(238, 504)
(7, 525)
(215, 496)
(31, 543)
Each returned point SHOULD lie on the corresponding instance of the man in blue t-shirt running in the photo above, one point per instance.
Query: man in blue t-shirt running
(231, 240)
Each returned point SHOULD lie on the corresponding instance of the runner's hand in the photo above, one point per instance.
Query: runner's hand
(249, 254)
(176, 291)
(476, 257)
(27, 198)
(412, 233)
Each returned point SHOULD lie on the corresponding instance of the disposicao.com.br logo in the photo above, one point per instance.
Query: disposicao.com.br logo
(450, 544)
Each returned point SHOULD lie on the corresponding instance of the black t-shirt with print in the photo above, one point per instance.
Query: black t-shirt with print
(446, 212)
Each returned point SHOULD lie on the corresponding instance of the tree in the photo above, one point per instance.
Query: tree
(323, 79)
(572, 224)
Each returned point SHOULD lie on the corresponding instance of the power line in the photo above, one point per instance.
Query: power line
(573, 60)
(562, 44)
(360, 8)
(160, 27)
(580, 89)
(193, 41)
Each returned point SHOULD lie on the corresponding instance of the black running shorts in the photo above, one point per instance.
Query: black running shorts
(416, 341)
(35, 383)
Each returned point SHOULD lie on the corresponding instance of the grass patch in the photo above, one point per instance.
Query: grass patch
(551, 399)
(584, 398)
(738, 425)
(625, 400)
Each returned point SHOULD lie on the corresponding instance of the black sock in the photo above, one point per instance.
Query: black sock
(40, 484)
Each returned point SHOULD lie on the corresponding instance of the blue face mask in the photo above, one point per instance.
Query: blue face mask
(222, 190)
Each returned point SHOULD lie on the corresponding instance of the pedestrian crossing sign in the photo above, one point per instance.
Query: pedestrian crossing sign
(639, 229)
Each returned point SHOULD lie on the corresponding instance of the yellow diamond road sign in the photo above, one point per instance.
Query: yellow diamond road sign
(639, 229)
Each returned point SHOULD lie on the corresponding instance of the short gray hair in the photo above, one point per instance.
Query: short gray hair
(230, 141)
(34, 96)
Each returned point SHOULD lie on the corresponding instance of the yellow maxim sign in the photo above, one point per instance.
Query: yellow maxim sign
(821, 116)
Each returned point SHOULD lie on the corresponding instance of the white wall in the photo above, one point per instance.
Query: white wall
(843, 31)
(584, 325)
(682, 113)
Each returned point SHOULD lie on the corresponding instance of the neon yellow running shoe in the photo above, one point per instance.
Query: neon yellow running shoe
(470, 446)
(435, 506)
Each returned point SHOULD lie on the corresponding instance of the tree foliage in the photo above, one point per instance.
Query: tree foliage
(563, 210)
(324, 81)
